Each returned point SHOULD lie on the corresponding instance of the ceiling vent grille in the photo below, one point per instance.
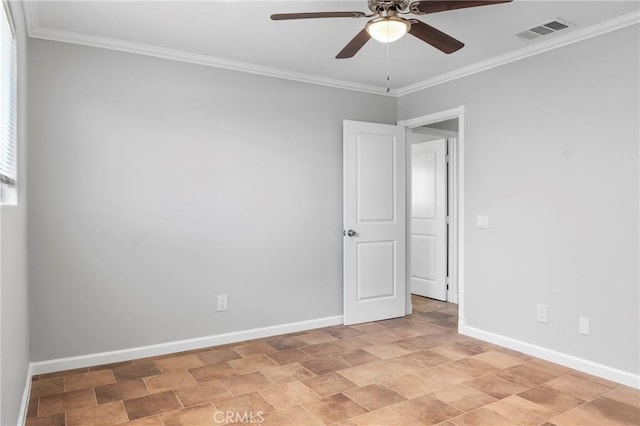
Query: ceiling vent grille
(549, 27)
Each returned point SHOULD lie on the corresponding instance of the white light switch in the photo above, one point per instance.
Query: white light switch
(483, 222)
(583, 327)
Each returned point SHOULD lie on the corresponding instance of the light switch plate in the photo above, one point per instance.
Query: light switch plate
(583, 326)
(482, 222)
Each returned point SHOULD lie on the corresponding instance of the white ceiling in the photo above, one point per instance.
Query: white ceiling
(239, 34)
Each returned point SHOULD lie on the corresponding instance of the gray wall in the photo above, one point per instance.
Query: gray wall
(13, 270)
(157, 185)
(552, 158)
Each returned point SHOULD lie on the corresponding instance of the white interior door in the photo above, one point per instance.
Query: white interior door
(374, 221)
(428, 266)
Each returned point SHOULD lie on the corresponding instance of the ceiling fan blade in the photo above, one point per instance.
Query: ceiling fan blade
(310, 15)
(434, 37)
(423, 7)
(354, 45)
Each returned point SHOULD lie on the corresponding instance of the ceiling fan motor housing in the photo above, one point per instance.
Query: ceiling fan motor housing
(377, 6)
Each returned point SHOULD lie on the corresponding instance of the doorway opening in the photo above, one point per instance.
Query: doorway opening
(435, 147)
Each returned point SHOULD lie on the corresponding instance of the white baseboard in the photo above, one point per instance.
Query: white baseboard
(24, 404)
(61, 364)
(590, 367)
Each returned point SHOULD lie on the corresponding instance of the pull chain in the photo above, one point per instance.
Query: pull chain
(388, 79)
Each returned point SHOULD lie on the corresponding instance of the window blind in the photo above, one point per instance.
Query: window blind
(8, 101)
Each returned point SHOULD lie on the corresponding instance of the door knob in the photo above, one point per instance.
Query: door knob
(351, 233)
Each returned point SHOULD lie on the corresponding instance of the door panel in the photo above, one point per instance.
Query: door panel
(429, 218)
(374, 208)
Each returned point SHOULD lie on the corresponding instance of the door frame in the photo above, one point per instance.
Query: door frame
(456, 248)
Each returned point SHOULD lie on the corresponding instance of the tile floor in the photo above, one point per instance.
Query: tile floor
(407, 371)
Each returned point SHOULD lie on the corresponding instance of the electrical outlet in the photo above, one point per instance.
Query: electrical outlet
(222, 302)
(542, 314)
(583, 326)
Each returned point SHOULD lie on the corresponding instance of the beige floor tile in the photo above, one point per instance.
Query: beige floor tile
(58, 403)
(204, 392)
(397, 366)
(603, 411)
(104, 414)
(329, 384)
(288, 394)
(495, 386)
(54, 420)
(88, 380)
(315, 337)
(252, 349)
(498, 359)
(285, 342)
(546, 367)
(453, 351)
(47, 387)
(378, 337)
(369, 327)
(387, 350)
(146, 421)
(411, 386)
(289, 356)
(201, 415)
(287, 373)
(120, 391)
(292, 416)
(426, 358)
(554, 401)
(215, 356)
(249, 402)
(356, 357)
(482, 417)
(591, 378)
(366, 374)
(625, 395)
(427, 410)
(577, 387)
(135, 371)
(252, 363)
(334, 408)
(463, 397)
(374, 397)
(524, 376)
(172, 380)
(324, 365)
(473, 367)
(213, 372)
(615, 411)
(151, 405)
(322, 349)
(520, 410)
(238, 385)
(445, 375)
(385, 417)
(353, 343)
(183, 362)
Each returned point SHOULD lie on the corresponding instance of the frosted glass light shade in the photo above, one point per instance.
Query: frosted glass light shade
(387, 29)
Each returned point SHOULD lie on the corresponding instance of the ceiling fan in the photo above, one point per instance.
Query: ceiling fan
(386, 25)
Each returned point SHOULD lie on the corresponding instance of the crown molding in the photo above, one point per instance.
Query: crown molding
(526, 52)
(34, 30)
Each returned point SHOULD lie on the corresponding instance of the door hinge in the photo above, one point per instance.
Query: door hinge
(447, 158)
(448, 219)
(446, 280)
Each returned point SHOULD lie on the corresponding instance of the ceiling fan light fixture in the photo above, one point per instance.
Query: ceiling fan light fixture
(387, 29)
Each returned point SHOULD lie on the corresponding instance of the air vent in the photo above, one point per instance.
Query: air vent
(549, 27)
